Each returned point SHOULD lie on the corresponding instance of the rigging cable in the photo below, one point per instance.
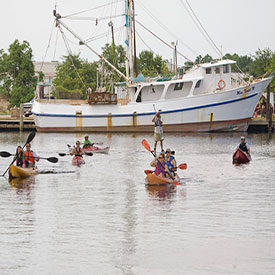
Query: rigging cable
(47, 46)
(163, 41)
(200, 27)
(70, 55)
(93, 18)
(144, 42)
(165, 27)
(90, 9)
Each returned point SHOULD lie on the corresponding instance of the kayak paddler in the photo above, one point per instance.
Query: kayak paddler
(30, 157)
(170, 161)
(77, 151)
(87, 143)
(19, 156)
(244, 146)
(161, 166)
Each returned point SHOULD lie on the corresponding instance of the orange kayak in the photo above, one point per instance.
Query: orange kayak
(153, 179)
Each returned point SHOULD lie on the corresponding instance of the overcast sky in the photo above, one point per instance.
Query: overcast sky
(240, 26)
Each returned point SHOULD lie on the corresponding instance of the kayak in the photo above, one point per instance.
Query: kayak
(153, 179)
(96, 149)
(240, 157)
(77, 161)
(19, 172)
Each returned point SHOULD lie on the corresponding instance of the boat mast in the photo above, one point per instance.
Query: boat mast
(81, 42)
(130, 39)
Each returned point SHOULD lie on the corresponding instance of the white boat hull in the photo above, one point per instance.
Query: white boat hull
(219, 111)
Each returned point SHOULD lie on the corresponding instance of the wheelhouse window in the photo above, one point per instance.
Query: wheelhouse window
(198, 84)
(217, 70)
(178, 86)
(138, 97)
(226, 69)
(208, 70)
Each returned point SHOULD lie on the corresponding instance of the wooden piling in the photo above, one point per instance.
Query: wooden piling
(268, 110)
(21, 116)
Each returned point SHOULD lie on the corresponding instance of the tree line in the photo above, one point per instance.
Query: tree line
(75, 74)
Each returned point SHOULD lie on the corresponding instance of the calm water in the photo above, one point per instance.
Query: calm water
(102, 219)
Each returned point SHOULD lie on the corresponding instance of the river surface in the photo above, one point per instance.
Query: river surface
(101, 218)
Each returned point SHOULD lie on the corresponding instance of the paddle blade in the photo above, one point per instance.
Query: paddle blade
(62, 154)
(148, 172)
(183, 166)
(52, 159)
(89, 153)
(146, 145)
(176, 183)
(5, 154)
(30, 137)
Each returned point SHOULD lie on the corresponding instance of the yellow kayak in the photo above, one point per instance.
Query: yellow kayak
(19, 172)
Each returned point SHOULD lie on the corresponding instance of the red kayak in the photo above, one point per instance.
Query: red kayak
(96, 149)
(240, 157)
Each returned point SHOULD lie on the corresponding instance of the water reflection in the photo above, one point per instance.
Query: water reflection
(22, 183)
(161, 191)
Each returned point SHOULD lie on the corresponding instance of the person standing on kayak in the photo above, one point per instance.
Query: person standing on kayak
(77, 151)
(161, 166)
(87, 143)
(158, 131)
(19, 156)
(30, 157)
(244, 146)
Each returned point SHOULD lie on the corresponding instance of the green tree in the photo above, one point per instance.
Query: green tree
(243, 62)
(271, 68)
(17, 79)
(115, 55)
(71, 74)
(261, 62)
(149, 65)
(206, 59)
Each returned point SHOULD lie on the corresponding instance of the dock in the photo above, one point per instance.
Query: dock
(8, 123)
(257, 125)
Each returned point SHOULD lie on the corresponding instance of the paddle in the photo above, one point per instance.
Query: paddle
(6, 154)
(65, 154)
(182, 166)
(29, 139)
(148, 148)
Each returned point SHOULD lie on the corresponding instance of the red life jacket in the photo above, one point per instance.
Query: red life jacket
(29, 156)
(160, 169)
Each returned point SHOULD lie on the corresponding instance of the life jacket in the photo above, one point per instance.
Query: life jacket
(243, 147)
(29, 156)
(169, 163)
(160, 169)
(78, 153)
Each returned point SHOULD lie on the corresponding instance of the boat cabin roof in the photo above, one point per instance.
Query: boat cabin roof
(218, 63)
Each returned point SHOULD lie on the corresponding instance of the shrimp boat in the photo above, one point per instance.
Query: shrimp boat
(204, 99)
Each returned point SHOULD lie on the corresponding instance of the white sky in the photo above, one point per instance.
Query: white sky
(240, 26)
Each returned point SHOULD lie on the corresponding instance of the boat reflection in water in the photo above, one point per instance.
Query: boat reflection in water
(161, 191)
(20, 183)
